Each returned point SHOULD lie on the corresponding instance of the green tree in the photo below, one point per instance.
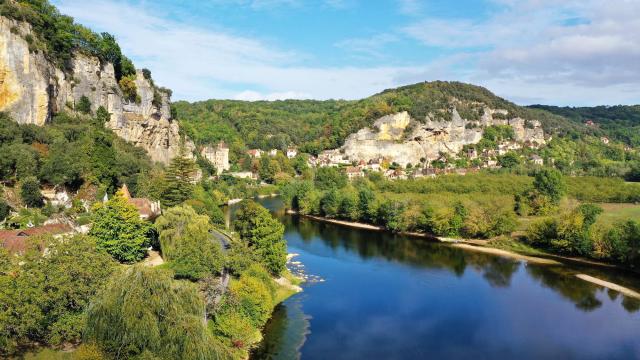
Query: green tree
(30, 192)
(144, 309)
(268, 169)
(84, 105)
(550, 183)
(187, 244)
(330, 178)
(5, 210)
(118, 229)
(179, 180)
(509, 160)
(330, 203)
(263, 234)
(44, 298)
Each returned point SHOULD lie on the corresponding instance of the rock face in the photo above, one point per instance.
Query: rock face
(32, 90)
(403, 140)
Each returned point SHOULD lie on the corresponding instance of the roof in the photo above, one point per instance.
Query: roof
(15, 241)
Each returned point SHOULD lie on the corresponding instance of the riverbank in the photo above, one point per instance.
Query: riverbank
(484, 246)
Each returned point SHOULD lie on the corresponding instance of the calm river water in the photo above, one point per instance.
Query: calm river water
(392, 297)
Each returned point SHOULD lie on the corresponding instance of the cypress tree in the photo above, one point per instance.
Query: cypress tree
(179, 179)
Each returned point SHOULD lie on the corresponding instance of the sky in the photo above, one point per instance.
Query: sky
(557, 52)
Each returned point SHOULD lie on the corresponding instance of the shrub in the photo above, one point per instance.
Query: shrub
(84, 105)
(129, 88)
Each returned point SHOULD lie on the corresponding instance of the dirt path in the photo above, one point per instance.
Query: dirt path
(153, 259)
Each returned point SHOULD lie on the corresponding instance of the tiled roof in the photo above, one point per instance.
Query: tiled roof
(15, 241)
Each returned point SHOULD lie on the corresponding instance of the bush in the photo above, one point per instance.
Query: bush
(129, 88)
(84, 105)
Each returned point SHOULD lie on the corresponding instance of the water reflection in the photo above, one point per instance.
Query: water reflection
(391, 296)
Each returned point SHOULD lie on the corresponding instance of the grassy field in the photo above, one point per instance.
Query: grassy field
(618, 212)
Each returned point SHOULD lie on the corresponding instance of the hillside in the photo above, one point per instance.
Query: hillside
(318, 125)
(51, 65)
(620, 122)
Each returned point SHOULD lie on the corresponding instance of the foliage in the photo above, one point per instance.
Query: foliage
(179, 180)
(43, 298)
(330, 178)
(129, 317)
(58, 36)
(84, 105)
(118, 229)
(263, 234)
(5, 210)
(30, 192)
(129, 88)
(70, 151)
(187, 244)
(550, 183)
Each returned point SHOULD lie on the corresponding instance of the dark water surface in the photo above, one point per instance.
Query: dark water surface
(392, 297)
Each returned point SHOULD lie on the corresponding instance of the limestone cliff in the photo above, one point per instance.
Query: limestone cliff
(32, 89)
(404, 140)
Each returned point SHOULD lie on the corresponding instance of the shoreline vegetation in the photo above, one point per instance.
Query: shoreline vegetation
(485, 247)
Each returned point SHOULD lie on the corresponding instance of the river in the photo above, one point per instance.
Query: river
(380, 296)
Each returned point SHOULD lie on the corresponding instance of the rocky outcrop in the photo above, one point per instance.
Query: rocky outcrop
(403, 140)
(32, 90)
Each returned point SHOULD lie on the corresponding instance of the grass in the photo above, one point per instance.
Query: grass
(49, 354)
(513, 245)
(614, 213)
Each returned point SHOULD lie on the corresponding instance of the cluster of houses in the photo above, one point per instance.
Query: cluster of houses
(258, 154)
(17, 241)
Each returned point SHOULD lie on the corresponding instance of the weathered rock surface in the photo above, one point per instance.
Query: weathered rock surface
(403, 140)
(32, 90)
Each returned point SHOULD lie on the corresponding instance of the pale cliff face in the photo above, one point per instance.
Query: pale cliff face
(405, 141)
(32, 89)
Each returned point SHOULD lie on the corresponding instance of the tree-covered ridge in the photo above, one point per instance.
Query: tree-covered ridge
(620, 122)
(318, 125)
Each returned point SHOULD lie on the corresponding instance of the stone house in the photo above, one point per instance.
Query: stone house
(292, 152)
(537, 160)
(354, 172)
(255, 153)
(218, 156)
(149, 210)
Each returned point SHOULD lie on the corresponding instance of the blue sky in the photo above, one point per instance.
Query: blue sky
(562, 52)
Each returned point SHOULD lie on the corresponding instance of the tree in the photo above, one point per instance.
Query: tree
(118, 229)
(187, 244)
(5, 210)
(30, 192)
(510, 160)
(44, 297)
(330, 203)
(142, 309)
(550, 183)
(263, 234)
(179, 180)
(330, 177)
(84, 105)
(268, 169)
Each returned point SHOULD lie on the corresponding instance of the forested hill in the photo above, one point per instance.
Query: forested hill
(318, 125)
(620, 122)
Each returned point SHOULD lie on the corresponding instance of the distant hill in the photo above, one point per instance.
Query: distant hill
(620, 122)
(319, 125)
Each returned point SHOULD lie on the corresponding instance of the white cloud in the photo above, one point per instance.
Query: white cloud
(199, 63)
(250, 95)
(525, 52)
